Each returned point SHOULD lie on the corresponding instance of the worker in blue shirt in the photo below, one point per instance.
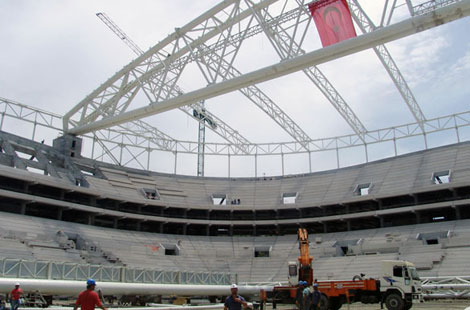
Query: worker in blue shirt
(234, 301)
(315, 297)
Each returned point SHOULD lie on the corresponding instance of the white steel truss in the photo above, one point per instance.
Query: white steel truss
(286, 47)
(366, 25)
(108, 145)
(212, 42)
(41, 118)
(158, 90)
(450, 287)
(363, 42)
(214, 66)
(113, 97)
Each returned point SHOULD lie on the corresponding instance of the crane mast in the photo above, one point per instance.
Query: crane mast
(198, 115)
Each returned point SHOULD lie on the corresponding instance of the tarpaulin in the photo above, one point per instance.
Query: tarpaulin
(333, 20)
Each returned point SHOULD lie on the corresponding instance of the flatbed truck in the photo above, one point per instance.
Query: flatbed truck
(398, 287)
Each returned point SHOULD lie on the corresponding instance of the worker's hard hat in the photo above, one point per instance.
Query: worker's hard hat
(301, 282)
(315, 284)
(234, 286)
(17, 284)
(305, 283)
(90, 282)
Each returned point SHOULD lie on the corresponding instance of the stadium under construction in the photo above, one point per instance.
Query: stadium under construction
(88, 204)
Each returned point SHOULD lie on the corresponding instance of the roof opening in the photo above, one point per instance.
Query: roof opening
(263, 251)
(441, 177)
(363, 189)
(289, 198)
(432, 241)
(150, 193)
(219, 199)
(171, 249)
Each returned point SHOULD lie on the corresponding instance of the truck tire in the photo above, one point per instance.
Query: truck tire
(323, 302)
(408, 305)
(394, 302)
(334, 303)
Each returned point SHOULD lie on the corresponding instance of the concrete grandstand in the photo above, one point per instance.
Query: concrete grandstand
(415, 208)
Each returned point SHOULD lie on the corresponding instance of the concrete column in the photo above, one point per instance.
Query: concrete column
(23, 208)
(457, 212)
(418, 217)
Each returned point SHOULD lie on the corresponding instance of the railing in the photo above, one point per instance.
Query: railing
(34, 269)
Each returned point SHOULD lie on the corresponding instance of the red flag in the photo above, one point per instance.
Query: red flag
(333, 20)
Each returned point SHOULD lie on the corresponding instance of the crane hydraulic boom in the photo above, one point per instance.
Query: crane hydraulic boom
(305, 260)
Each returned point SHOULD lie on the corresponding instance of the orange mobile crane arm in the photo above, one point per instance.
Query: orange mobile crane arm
(305, 260)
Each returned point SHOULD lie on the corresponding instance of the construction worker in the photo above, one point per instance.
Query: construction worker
(88, 299)
(299, 299)
(15, 296)
(306, 296)
(315, 297)
(234, 301)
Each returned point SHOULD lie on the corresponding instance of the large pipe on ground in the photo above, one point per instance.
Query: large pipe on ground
(64, 287)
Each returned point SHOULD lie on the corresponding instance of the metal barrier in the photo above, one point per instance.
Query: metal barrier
(451, 287)
(34, 269)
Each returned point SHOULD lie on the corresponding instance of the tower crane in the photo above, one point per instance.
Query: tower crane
(201, 115)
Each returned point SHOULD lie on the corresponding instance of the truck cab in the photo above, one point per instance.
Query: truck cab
(400, 284)
(293, 275)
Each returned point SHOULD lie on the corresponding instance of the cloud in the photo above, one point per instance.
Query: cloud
(419, 56)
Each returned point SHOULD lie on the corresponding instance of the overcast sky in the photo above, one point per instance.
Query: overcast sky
(55, 52)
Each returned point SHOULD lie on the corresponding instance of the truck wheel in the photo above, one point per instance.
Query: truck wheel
(323, 302)
(408, 305)
(334, 303)
(394, 302)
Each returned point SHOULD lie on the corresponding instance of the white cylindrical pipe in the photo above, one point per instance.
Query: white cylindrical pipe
(64, 287)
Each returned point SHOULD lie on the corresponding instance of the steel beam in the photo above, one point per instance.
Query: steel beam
(366, 25)
(286, 47)
(143, 68)
(380, 36)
